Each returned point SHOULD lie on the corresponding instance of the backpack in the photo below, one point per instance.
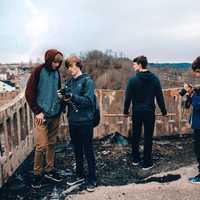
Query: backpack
(96, 109)
(97, 117)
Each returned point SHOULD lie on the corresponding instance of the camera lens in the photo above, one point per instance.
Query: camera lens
(182, 92)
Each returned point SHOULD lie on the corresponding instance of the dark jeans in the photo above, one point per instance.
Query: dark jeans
(147, 119)
(81, 136)
(197, 146)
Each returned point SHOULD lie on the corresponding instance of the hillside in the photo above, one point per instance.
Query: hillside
(110, 71)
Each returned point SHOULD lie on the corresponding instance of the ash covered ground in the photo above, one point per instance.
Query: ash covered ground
(114, 168)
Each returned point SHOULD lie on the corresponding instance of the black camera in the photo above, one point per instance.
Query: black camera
(182, 92)
(61, 91)
(64, 92)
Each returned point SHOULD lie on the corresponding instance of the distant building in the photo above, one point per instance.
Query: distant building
(3, 76)
(4, 87)
(8, 82)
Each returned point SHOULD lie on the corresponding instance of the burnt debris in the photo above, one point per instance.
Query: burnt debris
(114, 167)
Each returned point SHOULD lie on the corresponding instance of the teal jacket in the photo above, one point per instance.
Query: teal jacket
(47, 97)
(42, 86)
(82, 89)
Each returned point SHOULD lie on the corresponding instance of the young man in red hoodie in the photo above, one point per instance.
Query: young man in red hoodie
(41, 95)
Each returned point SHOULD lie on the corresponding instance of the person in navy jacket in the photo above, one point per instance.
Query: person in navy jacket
(193, 99)
(81, 92)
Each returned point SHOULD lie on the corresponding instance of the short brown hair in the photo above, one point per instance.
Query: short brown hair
(141, 60)
(73, 59)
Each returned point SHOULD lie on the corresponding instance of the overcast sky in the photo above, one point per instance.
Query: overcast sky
(163, 30)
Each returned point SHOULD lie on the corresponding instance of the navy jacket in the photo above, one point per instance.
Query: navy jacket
(142, 89)
(195, 102)
(82, 89)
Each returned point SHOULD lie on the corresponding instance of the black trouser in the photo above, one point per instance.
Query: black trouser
(197, 146)
(81, 136)
(146, 118)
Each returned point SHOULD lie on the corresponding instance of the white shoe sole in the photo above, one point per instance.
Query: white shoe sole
(90, 190)
(76, 182)
(147, 168)
(36, 187)
(197, 183)
(51, 178)
(135, 164)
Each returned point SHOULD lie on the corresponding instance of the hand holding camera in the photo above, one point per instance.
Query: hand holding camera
(62, 94)
(187, 89)
(66, 95)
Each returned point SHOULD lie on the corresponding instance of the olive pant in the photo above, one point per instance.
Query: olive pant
(45, 137)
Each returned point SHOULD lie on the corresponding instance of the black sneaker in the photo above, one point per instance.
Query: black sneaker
(195, 179)
(53, 175)
(91, 185)
(36, 184)
(136, 162)
(76, 180)
(147, 166)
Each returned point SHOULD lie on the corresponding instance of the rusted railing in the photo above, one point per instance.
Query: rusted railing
(112, 119)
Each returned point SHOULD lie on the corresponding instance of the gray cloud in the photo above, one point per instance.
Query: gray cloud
(166, 30)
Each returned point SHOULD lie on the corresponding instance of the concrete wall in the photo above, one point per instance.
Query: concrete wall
(111, 103)
(16, 136)
(16, 125)
(5, 96)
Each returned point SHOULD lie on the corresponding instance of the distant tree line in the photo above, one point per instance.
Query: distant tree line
(111, 70)
(171, 65)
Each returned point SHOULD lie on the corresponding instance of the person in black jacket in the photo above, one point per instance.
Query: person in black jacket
(79, 90)
(141, 91)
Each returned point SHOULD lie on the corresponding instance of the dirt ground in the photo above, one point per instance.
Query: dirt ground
(180, 189)
(113, 167)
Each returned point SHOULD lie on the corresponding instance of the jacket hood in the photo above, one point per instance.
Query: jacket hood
(145, 76)
(84, 75)
(49, 57)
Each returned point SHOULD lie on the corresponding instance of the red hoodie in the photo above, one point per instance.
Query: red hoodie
(31, 87)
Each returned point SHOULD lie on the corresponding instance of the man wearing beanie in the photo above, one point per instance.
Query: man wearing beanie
(79, 90)
(193, 99)
(41, 95)
(141, 91)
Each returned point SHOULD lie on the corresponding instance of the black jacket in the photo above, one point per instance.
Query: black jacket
(142, 89)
